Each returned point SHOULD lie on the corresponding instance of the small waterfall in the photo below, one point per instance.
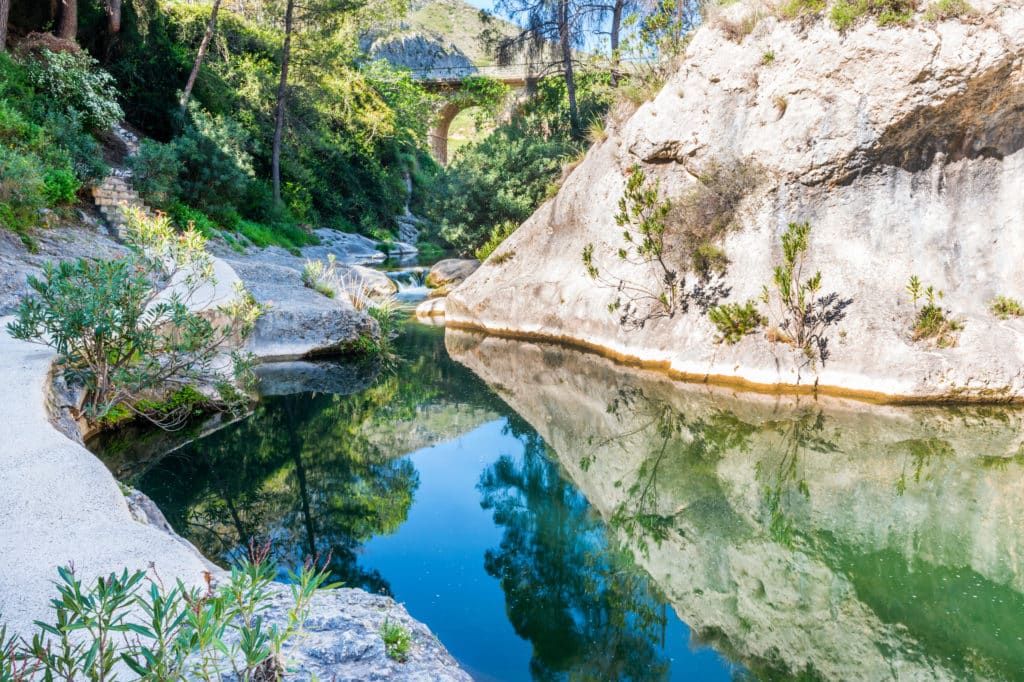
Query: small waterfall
(411, 282)
(407, 222)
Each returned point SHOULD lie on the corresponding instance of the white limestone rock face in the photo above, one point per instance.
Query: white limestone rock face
(901, 146)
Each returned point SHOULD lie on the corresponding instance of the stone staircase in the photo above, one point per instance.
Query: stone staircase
(114, 194)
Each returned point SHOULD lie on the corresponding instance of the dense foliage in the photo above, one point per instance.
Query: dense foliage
(50, 104)
(500, 180)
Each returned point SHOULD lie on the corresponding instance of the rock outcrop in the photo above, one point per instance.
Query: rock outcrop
(300, 321)
(901, 146)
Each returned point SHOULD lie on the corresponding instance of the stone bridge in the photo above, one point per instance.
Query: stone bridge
(448, 80)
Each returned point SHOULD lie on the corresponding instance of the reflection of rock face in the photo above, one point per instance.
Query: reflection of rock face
(858, 542)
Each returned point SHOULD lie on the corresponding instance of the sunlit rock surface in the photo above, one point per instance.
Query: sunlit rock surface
(901, 146)
(849, 540)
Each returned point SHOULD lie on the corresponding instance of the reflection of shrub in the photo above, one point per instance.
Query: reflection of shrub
(734, 321)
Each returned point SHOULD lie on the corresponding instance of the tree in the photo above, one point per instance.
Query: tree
(203, 45)
(113, 8)
(5, 11)
(282, 88)
(68, 27)
(552, 27)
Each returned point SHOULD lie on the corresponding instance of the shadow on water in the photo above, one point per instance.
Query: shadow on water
(554, 516)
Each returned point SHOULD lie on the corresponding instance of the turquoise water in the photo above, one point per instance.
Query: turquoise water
(553, 516)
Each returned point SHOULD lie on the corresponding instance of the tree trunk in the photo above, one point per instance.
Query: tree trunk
(5, 11)
(570, 82)
(68, 28)
(53, 11)
(210, 27)
(275, 162)
(616, 28)
(114, 16)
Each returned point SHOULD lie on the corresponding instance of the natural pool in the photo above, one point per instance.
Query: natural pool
(551, 515)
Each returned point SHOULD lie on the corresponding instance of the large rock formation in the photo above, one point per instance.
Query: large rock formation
(902, 148)
(801, 536)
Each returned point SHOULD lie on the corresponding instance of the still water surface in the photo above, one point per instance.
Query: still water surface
(553, 516)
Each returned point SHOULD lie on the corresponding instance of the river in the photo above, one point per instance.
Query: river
(551, 515)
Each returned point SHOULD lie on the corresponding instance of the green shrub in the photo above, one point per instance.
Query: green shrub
(797, 8)
(498, 234)
(734, 321)
(21, 189)
(74, 81)
(800, 315)
(931, 321)
(397, 640)
(1004, 308)
(116, 332)
(60, 185)
(177, 632)
(949, 9)
(845, 13)
(320, 276)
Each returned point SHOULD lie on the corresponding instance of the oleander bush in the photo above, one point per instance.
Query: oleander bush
(166, 632)
(126, 328)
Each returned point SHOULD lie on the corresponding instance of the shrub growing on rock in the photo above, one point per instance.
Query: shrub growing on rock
(163, 632)
(799, 315)
(127, 328)
(931, 321)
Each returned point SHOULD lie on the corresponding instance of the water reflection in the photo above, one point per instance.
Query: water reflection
(802, 538)
(584, 606)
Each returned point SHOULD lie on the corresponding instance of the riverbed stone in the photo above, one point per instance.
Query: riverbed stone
(431, 308)
(451, 271)
(300, 322)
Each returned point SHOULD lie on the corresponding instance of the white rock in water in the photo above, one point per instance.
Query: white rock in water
(902, 147)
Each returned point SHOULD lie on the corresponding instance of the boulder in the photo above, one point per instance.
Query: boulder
(451, 271)
(361, 280)
(300, 322)
(346, 247)
(431, 308)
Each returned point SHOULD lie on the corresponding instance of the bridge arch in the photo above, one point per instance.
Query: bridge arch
(449, 82)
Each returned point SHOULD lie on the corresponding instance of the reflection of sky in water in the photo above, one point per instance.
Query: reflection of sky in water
(796, 539)
(434, 564)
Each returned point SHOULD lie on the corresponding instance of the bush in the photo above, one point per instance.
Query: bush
(845, 13)
(177, 632)
(397, 640)
(734, 321)
(60, 185)
(74, 82)
(948, 9)
(1004, 308)
(117, 331)
(498, 234)
(21, 189)
(801, 316)
(931, 322)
